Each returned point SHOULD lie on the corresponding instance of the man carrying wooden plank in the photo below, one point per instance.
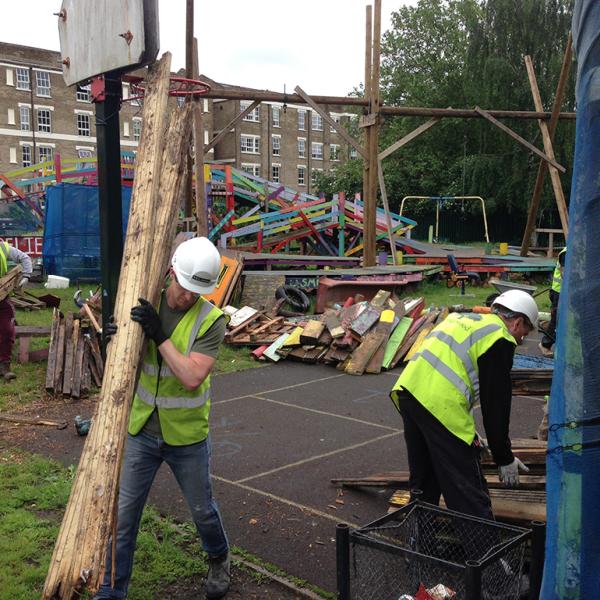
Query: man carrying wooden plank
(169, 415)
(464, 360)
(7, 311)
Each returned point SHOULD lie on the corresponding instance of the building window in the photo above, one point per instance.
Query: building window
(302, 120)
(316, 121)
(338, 120)
(275, 173)
(276, 116)
(316, 150)
(301, 175)
(250, 143)
(10, 77)
(253, 115)
(83, 125)
(45, 153)
(10, 116)
(26, 156)
(251, 168)
(22, 79)
(334, 152)
(136, 126)
(12, 155)
(44, 120)
(313, 175)
(276, 140)
(83, 93)
(301, 148)
(353, 153)
(25, 118)
(42, 83)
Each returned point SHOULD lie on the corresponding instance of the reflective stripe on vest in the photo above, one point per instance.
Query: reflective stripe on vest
(173, 401)
(444, 375)
(4, 252)
(557, 275)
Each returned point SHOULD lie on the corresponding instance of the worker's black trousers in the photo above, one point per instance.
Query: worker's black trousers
(441, 463)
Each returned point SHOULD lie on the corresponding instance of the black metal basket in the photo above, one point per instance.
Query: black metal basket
(422, 544)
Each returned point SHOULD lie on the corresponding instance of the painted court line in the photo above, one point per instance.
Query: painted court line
(287, 387)
(319, 456)
(326, 413)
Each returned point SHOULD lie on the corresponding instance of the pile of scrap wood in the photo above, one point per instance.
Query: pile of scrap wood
(360, 337)
(74, 358)
(10, 281)
(24, 300)
(522, 504)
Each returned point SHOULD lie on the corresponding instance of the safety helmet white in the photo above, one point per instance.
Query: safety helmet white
(518, 301)
(197, 265)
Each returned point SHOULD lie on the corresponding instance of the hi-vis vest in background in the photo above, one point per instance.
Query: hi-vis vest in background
(557, 276)
(183, 413)
(444, 376)
(4, 252)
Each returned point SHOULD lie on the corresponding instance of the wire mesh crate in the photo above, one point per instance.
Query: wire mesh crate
(424, 545)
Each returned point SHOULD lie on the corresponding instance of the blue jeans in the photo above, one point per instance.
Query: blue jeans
(144, 454)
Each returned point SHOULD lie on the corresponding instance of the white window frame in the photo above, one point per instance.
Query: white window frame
(316, 121)
(49, 154)
(338, 121)
(42, 90)
(84, 151)
(23, 81)
(252, 168)
(316, 150)
(84, 124)
(276, 145)
(302, 175)
(276, 168)
(44, 127)
(25, 124)
(334, 152)
(301, 147)
(253, 115)
(249, 144)
(136, 129)
(83, 93)
(301, 120)
(26, 149)
(353, 153)
(276, 116)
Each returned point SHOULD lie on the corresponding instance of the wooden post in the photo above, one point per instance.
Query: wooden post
(189, 73)
(554, 176)
(541, 174)
(198, 126)
(79, 555)
(368, 259)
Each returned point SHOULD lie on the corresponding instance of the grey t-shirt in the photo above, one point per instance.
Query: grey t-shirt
(207, 344)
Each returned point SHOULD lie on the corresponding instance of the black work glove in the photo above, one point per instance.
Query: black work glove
(110, 328)
(145, 314)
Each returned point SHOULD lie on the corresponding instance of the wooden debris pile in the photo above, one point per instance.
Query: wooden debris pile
(10, 281)
(24, 300)
(74, 358)
(361, 337)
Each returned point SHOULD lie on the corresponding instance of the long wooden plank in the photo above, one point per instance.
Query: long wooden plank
(78, 373)
(385, 327)
(78, 559)
(52, 349)
(396, 340)
(70, 326)
(60, 358)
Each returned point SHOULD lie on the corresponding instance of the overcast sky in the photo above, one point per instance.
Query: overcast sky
(317, 44)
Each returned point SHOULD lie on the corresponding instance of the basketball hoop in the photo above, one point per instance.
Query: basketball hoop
(179, 87)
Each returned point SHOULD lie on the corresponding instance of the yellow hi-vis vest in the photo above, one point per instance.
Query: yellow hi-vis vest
(444, 375)
(4, 252)
(557, 276)
(183, 413)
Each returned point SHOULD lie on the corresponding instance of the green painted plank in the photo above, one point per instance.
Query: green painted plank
(395, 340)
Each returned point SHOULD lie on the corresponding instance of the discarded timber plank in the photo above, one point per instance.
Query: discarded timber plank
(33, 421)
(395, 341)
(294, 338)
(423, 333)
(362, 355)
(71, 329)
(312, 332)
(241, 315)
(365, 320)
(334, 325)
(77, 366)
(78, 560)
(60, 359)
(271, 351)
(384, 327)
(90, 315)
(9, 281)
(380, 298)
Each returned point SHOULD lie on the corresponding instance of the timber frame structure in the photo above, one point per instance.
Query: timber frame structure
(370, 120)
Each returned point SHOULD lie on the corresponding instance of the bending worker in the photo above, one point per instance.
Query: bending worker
(7, 310)
(169, 415)
(464, 360)
(549, 338)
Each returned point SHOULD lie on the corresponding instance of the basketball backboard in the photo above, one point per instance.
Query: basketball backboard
(98, 36)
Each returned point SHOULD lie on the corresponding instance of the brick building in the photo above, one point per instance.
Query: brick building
(40, 116)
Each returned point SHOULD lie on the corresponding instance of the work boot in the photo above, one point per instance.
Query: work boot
(218, 578)
(5, 372)
(547, 352)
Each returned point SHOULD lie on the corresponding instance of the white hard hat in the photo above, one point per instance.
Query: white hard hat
(520, 302)
(197, 265)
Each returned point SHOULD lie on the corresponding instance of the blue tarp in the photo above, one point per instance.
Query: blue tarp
(572, 568)
(72, 230)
